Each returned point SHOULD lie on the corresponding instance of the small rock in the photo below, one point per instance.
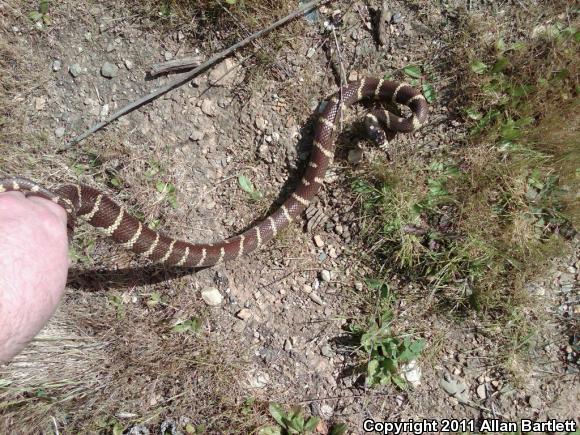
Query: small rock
(288, 345)
(128, 64)
(396, 18)
(318, 241)
(56, 65)
(226, 73)
(59, 132)
(412, 373)
(196, 135)
(566, 278)
(212, 296)
(338, 229)
(168, 55)
(208, 108)
(316, 298)
(244, 314)
(39, 103)
(326, 351)
(260, 123)
(325, 275)
(326, 411)
(109, 70)
(535, 402)
(353, 76)
(481, 393)
(75, 70)
(355, 155)
(358, 285)
(259, 380)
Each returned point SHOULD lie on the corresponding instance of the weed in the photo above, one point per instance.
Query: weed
(290, 422)
(247, 186)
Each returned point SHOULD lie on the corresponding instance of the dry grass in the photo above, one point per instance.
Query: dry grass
(477, 223)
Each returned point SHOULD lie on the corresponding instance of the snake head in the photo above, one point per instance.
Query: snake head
(375, 132)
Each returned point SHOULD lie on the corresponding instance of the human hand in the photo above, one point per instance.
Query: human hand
(33, 267)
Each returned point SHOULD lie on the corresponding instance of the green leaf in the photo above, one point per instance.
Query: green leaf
(429, 92)
(311, 424)
(117, 429)
(413, 71)
(501, 64)
(277, 413)
(270, 430)
(399, 382)
(43, 7)
(338, 429)
(231, 2)
(472, 113)
(35, 16)
(245, 184)
(191, 325)
(500, 45)
(478, 67)
(115, 182)
(165, 188)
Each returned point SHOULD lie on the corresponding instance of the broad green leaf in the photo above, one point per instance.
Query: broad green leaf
(338, 429)
(500, 45)
(413, 71)
(245, 184)
(311, 424)
(277, 413)
(501, 64)
(231, 2)
(43, 7)
(35, 16)
(478, 67)
(429, 92)
(270, 430)
(399, 382)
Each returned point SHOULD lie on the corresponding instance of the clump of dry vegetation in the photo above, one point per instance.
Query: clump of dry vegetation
(478, 221)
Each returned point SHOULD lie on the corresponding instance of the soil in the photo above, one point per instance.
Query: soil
(278, 335)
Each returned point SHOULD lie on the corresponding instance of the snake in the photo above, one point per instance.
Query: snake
(103, 213)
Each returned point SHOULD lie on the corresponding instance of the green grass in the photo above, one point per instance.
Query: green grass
(475, 223)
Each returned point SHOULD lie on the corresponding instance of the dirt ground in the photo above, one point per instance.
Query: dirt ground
(111, 359)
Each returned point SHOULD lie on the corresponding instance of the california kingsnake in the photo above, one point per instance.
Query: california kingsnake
(101, 212)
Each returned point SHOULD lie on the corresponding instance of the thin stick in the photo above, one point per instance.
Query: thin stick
(184, 63)
(304, 9)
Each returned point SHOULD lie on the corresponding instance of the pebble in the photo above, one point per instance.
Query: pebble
(260, 380)
(212, 296)
(109, 70)
(224, 74)
(412, 373)
(326, 411)
(196, 135)
(316, 298)
(128, 64)
(260, 123)
(353, 76)
(244, 314)
(358, 285)
(59, 132)
(325, 275)
(318, 241)
(535, 402)
(326, 351)
(396, 18)
(75, 70)
(56, 65)
(208, 108)
(481, 393)
(288, 345)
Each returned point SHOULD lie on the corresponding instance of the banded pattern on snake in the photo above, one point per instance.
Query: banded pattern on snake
(103, 213)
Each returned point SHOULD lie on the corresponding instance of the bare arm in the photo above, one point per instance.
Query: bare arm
(33, 267)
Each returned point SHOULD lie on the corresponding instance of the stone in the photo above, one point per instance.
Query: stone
(481, 392)
(211, 296)
(208, 107)
(326, 351)
(318, 241)
(412, 373)
(325, 275)
(75, 70)
(56, 65)
(128, 64)
(244, 314)
(59, 132)
(226, 74)
(109, 70)
(358, 285)
(259, 379)
(196, 135)
(260, 123)
(316, 298)
(535, 402)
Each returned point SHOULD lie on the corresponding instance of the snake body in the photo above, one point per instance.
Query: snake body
(103, 213)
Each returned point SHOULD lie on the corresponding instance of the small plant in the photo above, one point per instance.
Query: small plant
(385, 352)
(192, 325)
(290, 422)
(247, 186)
(41, 14)
(168, 190)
